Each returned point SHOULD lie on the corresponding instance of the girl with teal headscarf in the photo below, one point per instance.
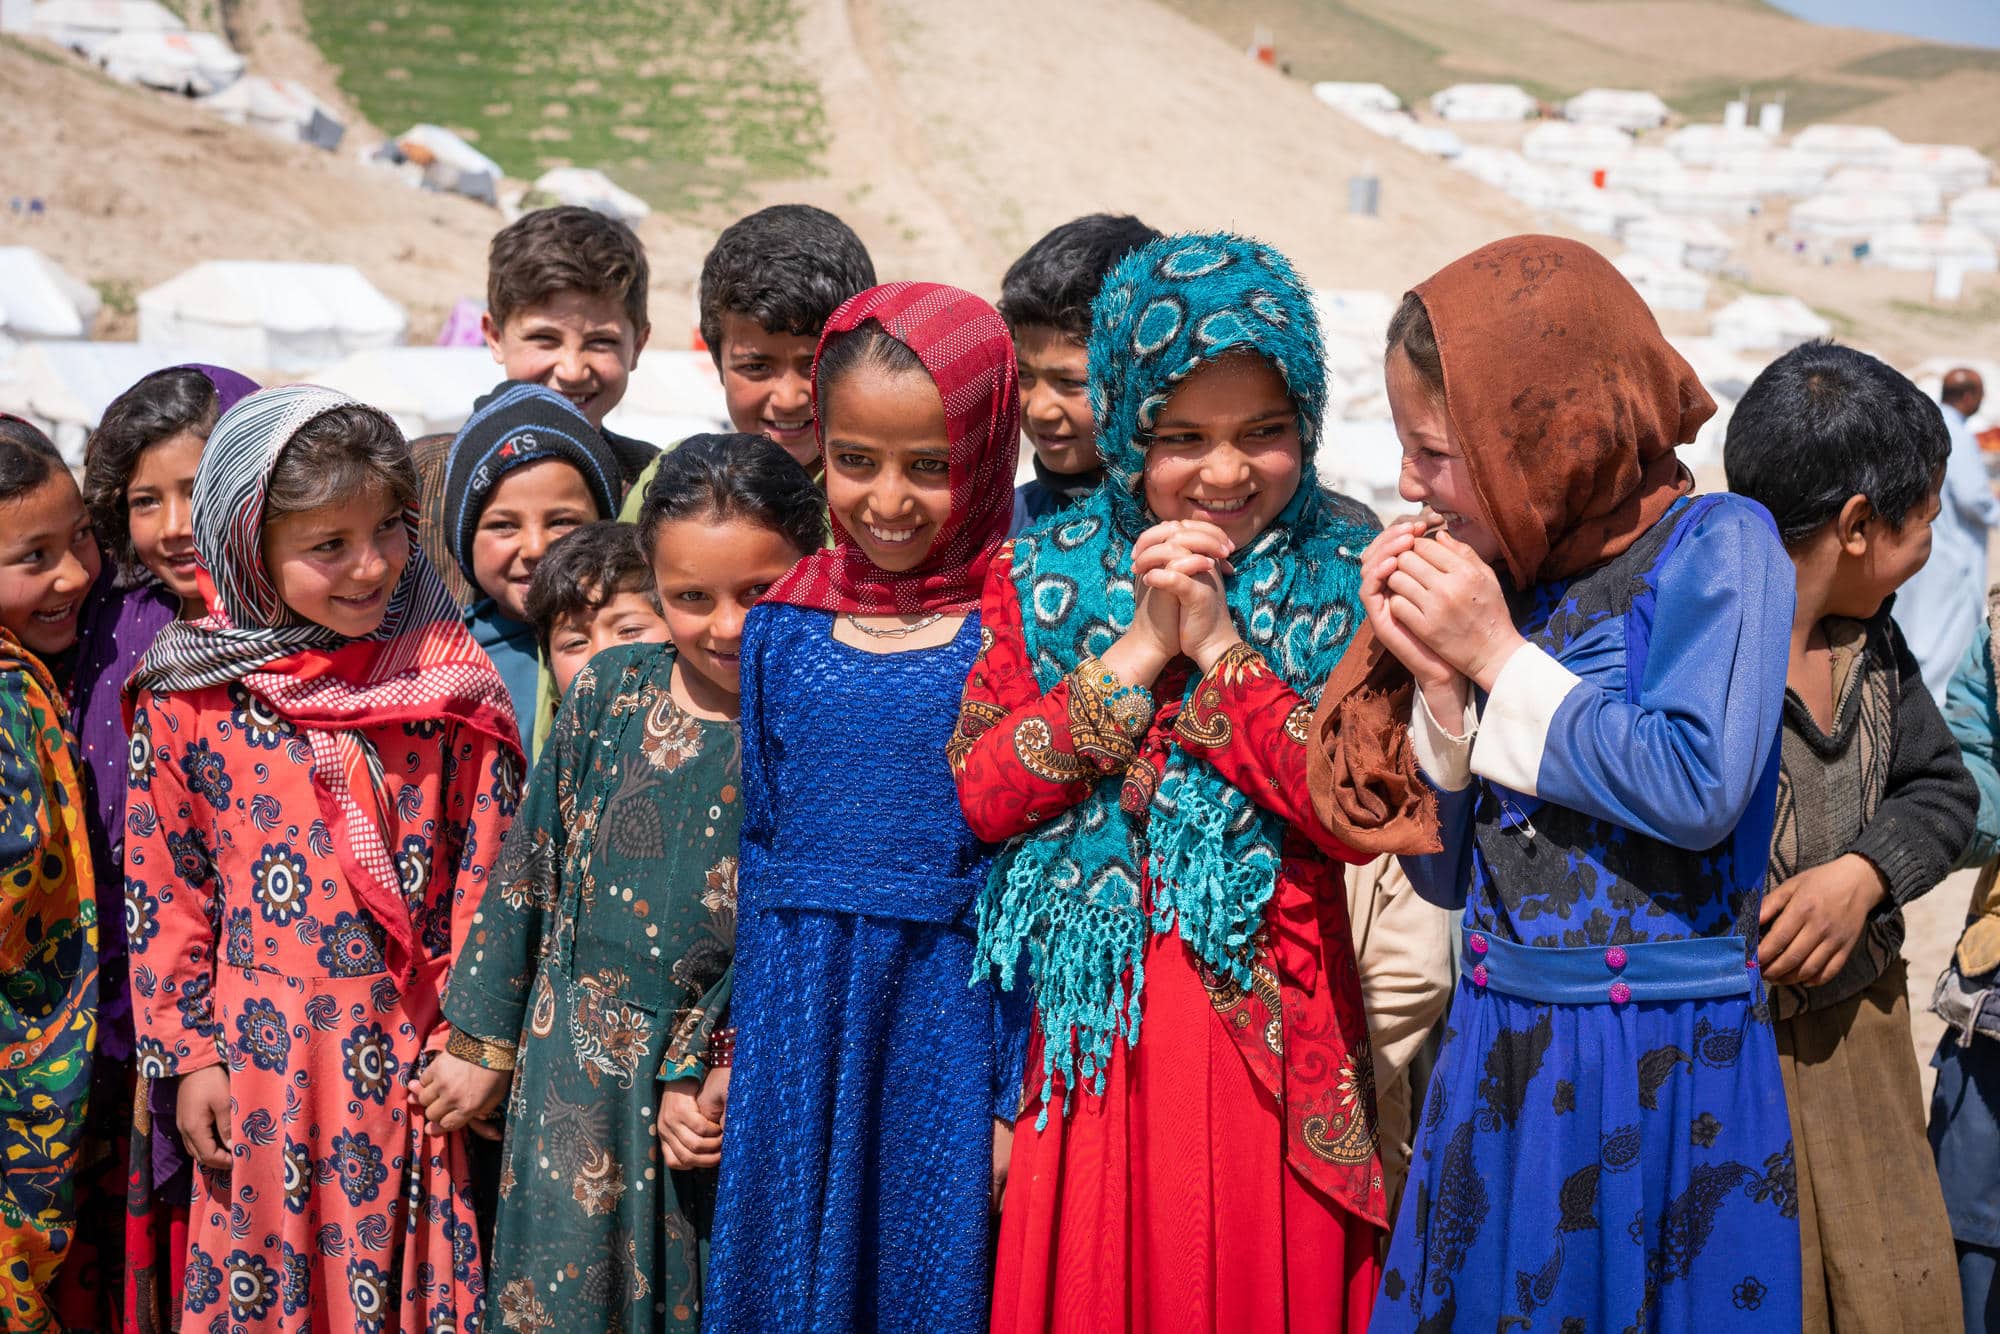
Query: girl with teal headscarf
(1134, 730)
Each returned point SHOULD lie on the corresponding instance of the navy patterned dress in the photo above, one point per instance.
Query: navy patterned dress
(1604, 1144)
(857, 1152)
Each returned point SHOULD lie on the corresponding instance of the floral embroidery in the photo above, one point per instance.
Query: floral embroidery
(357, 1165)
(281, 884)
(260, 1028)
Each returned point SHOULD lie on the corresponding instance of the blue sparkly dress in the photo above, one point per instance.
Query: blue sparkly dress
(1604, 1144)
(857, 1150)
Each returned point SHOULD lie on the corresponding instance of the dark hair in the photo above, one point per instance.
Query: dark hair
(1410, 329)
(730, 476)
(565, 249)
(338, 453)
(584, 569)
(27, 458)
(1055, 280)
(159, 407)
(788, 267)
(866, 344)
(1825, 422)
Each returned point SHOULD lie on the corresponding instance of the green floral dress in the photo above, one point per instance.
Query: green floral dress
(599, 966)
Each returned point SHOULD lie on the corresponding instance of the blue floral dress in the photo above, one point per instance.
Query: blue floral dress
(1605, 1144)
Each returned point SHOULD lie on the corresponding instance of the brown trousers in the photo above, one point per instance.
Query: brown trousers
(1877, 1253)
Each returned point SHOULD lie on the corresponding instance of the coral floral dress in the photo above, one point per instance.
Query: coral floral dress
(1227, 1178)
(341, 1209)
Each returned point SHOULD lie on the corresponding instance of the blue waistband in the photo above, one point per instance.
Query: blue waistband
(1705, 968)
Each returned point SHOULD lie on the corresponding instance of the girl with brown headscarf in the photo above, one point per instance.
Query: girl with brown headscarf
(1564, 713)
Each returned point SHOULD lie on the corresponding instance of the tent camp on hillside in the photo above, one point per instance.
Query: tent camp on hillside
(282, 108)
(194, 64)
(672, 395)
(84, 25)
(41, 299)
(426, 389)
(1484, 102)
(591, 189)
(1694, 243)
(1620, 108)
(64, 387)
(1917, 190)
(1760, 322)
(1711, 145)
(1836, 216)
(1955, 167)
(1566, 144)
(1663, 286)
(1928, 247)
(270, 315)
(1848, 145)
(1357, 96)
(1979, 209)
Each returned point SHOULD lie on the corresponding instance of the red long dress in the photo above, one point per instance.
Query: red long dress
(341, 1209)
(1227, 1177)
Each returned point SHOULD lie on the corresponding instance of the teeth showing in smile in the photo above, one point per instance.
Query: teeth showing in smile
(55, 615)
(789, 427)
(892, 536)
(1224, 506)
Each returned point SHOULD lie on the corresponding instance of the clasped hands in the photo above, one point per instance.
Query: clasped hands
(1437, 607)
(1180, 603)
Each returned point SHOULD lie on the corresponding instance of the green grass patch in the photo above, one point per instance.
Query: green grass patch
(1983, 309)
(1925, 60)
(683, 102)
(119, 296)
(1324, 39)
(1806, 100)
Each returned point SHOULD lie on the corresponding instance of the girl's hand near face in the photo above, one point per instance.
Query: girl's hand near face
(1154, 637)
(1444, 688)
(1193, 578)
(1450, 600)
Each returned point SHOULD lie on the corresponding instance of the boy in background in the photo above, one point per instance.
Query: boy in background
(1045, 299)
(1873, 808)
(565, 308)
(592, 591)
(768, 286)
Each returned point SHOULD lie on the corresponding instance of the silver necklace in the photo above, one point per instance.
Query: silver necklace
(897, 631)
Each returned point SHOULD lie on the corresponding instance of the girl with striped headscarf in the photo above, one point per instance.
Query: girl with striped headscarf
(322, 769)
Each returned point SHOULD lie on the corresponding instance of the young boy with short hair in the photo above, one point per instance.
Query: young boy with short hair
(593, 589)
(1873, 808)
(565, 308)
(768, 286)
(1046, 299)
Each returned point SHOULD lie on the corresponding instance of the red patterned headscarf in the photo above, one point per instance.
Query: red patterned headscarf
(964, 345)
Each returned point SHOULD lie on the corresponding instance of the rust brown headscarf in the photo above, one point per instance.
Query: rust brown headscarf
(1567, 403)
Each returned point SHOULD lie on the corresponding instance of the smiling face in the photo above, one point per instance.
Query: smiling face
(48, 560)
(710, 571)
(582, 346)
(767, 383)
(159, 513)
(1435, 474)
(532, 506)
(337, 565)
(1225, 449)
(577, 637)
(1881, 557)
(888, 471)
(1055, 399)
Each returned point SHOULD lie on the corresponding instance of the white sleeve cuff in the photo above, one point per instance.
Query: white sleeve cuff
(1514, 730)
(1445, 759)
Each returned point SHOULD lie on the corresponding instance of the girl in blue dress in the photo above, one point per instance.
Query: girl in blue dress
(1599, 661)
(874, 1090)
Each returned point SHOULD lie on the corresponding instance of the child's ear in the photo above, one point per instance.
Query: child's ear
(1851, 525)
(490, 331)
(639, 344)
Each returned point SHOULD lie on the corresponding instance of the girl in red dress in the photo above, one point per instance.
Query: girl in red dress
(322, 770)
(1135, 726)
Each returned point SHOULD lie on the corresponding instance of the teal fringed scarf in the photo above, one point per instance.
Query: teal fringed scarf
(1069, 893)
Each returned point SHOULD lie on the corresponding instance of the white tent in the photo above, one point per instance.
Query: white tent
(426, 389)
(1363, 458)
(1357, 96)
(1694, 243)
(672, 395)
(1917, 190)
(1708, 194)
(1781, 171)
(1925, 247)
(449, 162)
(593, 190)
(64, 387)
(41, 299)
(270, 315)
(1565, 144)
(1620, 108)
(194, 63)
(1980, 209)
(282, 108)
(1955, 167)
(1709, 145)
(1606, 212)
(1484, 101)
(1778, 322)
(1834, 216)
(83, 25)
(1664, 286)
(1643, 168)
(1405, 129)
(1851, 145)
(1537, 186)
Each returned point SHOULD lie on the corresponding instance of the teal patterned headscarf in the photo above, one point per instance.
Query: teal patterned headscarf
(1069, 893)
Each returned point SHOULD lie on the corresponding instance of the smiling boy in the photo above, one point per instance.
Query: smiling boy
(566, 309)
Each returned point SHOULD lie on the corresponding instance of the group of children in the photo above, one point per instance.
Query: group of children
(526, 880)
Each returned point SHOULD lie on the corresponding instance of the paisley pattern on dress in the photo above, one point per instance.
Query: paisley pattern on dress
(601, 962)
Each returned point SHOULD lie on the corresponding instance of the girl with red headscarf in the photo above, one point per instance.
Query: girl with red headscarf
(873, 1090)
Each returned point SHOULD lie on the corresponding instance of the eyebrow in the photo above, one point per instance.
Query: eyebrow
(1271, 414)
